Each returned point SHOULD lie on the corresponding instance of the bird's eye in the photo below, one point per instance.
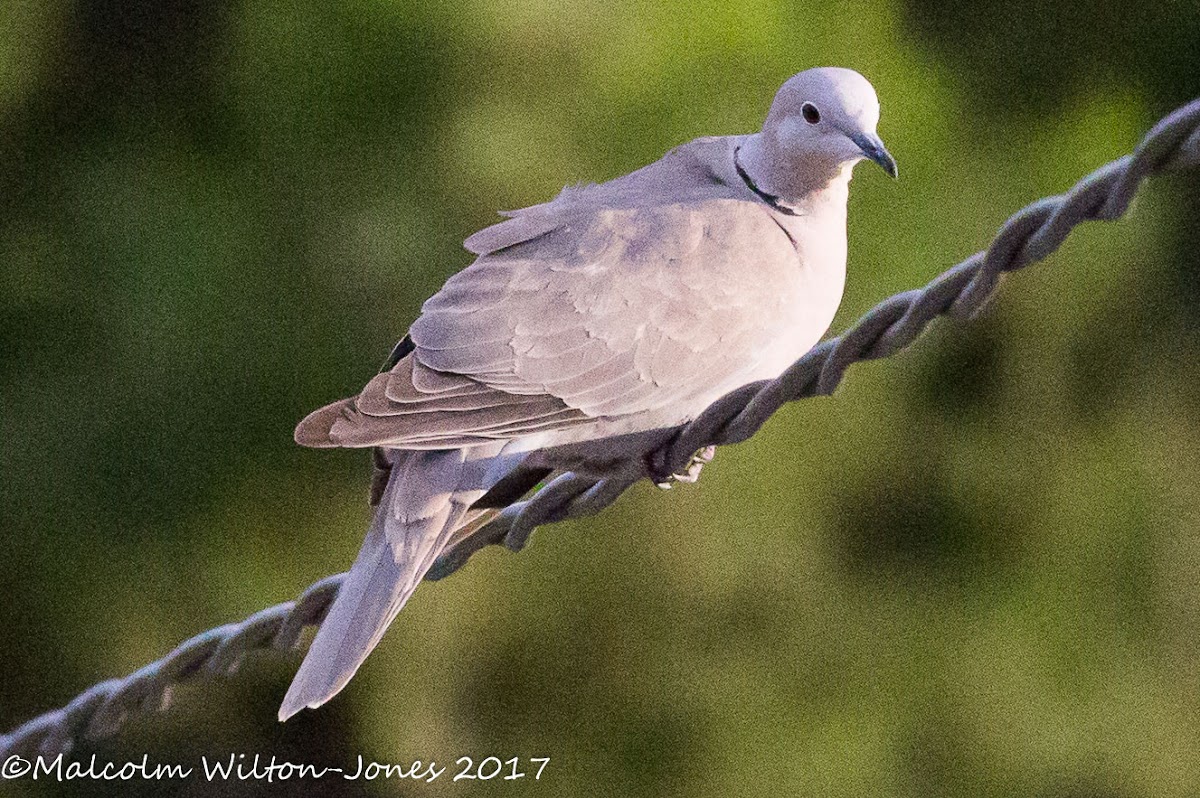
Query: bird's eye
(810, 113)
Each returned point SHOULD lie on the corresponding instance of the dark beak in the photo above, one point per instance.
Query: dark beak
(873, 149)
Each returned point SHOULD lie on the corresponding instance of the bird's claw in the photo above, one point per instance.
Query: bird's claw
(690, 473)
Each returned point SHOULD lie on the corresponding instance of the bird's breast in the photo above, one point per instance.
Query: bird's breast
(808, 290)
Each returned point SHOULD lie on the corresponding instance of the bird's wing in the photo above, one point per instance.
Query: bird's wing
(622, 311)
(609, 312)
(415, 407)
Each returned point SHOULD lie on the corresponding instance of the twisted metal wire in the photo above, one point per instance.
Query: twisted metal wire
(1028, 236)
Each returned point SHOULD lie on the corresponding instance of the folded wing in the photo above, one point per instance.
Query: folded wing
(649, 312)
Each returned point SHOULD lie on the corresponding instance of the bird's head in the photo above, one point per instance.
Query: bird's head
(821, 120)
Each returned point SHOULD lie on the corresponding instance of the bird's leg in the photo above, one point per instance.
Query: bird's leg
(689, 474)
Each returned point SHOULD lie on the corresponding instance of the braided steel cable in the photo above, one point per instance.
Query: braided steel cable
(1027, 237)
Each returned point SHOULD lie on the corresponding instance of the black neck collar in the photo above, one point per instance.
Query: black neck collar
(770, 199)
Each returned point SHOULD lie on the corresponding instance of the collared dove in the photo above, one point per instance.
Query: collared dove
(612, 312)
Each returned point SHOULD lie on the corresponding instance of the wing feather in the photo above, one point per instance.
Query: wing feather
(636, 306)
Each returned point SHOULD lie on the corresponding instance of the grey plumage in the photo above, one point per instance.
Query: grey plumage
(617, 309)
(426, 499)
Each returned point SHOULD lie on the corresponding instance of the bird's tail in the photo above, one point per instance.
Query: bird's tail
(425, 502)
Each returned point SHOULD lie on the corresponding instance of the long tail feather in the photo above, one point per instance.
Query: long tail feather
(425, 502)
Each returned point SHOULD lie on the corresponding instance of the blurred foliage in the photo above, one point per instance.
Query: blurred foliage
(972, 572)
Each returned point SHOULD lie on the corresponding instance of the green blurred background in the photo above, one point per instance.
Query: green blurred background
(974, 571)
